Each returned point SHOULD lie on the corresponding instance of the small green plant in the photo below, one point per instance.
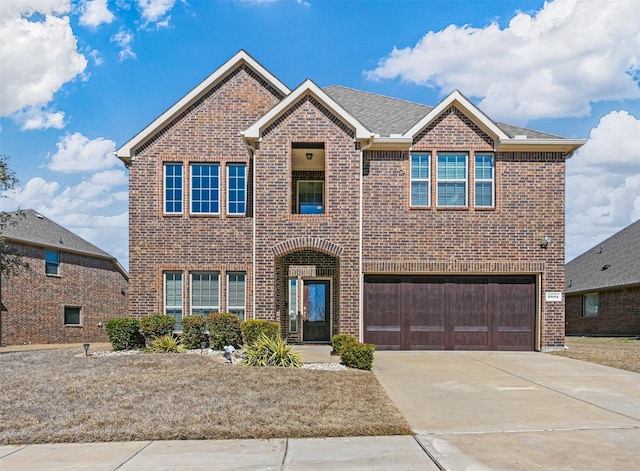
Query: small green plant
(254, 328)
(224, 329)
(340, 341)
(358, 355)
(269, 351)
(194, 331)
(165, 344)
(124, 333)
(156, 325)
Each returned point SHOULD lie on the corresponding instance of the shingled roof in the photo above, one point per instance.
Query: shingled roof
(35, 229)
(614, 263)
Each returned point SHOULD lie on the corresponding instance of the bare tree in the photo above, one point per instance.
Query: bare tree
(10, 259)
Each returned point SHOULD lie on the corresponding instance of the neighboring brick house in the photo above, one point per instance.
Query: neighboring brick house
(603, 287)
(340, 211)
(67, 293)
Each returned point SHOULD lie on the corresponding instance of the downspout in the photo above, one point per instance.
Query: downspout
(252, 152)
(360, 250)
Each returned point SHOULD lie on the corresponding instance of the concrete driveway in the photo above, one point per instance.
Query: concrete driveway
(515, 410)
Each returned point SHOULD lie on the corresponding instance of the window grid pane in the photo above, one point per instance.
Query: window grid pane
(205, 292)
(205, 188)
(237, 191)
(236, 294)
(420, 179)
(293, 305)
(173, 297)
(71, 315)
(452, 180)
(173, 188)
(484, 184)
(51, 262)
(311, 197)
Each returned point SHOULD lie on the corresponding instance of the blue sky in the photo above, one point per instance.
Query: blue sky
(79, 78)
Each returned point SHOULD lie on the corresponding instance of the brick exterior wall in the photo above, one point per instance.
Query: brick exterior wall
(33, 303)
(618, 314)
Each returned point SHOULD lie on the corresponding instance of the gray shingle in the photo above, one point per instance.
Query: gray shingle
(620, 252)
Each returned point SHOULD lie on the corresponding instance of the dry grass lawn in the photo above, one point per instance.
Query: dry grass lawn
(622, 353)
(56, 396)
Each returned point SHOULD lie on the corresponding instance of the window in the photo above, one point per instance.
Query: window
(590, 304)
(420, 180)
(236, 189)
(484, 181)
(71, 315)
(205, 292)
(52, 262)
(452, 179)
(236, 294)
(173, 297)
(310, 197)
(293, 305)
(173, 188)
(205, 188)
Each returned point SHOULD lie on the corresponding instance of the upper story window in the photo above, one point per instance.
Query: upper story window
(310, 197)
(173, 185)
(236, 282)
(205, 188)
(52, 262)
(452, 179)
(173, 297)
(205, 292)
(308, 178)
(484, 181)
(420, 180)
(236, 189)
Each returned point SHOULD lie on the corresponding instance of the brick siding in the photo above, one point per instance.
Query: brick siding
(618, 314)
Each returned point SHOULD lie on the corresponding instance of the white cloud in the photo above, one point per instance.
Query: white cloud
(76, 153)
(550, 64)
(123, 40)
(155, 11)
(93, 13)
(38, 52)
(603, 183)
(32, 118)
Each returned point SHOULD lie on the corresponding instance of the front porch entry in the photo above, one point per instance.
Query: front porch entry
(316, 309)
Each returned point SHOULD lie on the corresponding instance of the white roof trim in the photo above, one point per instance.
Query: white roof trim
(459, 101)
(522, 145)
(126, 151)
(307, 87)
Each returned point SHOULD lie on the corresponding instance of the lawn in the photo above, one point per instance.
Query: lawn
(618, 352)
(55, 396)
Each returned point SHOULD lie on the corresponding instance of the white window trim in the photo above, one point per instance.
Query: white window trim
(324, 207)
(79, 324)
(191, 304)
(164, 188)
(57, 264)
(492, 180)
(293, 306)
(454, 180)
(230, 307)
(164, 294)
(228, 192)
(584, 296)
(191, 165)
(420, 180)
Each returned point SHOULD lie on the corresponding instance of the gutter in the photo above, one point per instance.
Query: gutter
(360, 232)
(252, 153)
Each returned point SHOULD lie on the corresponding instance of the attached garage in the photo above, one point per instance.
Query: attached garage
(450, 312)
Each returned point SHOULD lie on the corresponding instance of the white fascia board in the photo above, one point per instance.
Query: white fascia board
(567, 146)
(254, 132)
(125, 152)
(461, 102)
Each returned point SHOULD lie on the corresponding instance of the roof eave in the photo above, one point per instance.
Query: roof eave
(567, 146)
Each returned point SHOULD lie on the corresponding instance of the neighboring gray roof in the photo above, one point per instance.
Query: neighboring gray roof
(386, 115)
(35, 229)
(620, 253)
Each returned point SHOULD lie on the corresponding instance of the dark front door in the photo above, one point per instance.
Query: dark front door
(316, 326)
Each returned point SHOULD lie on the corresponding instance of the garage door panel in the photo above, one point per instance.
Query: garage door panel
(513, 306)
(384, 320)
(425, 313)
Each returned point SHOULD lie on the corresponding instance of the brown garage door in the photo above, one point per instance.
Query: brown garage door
(449, 312)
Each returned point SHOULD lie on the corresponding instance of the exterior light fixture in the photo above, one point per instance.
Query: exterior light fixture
(86, 349)
(203, 345)
(545, 242)
(309, 156)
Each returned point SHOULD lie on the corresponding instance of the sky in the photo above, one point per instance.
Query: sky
(79, 78)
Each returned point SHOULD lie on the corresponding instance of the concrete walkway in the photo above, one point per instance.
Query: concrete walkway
(470, 411)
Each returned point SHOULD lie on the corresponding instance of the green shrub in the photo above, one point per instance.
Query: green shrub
(194, 331)
(156, 325)
(224, 329)
(124, 333)
(269, 351)
(165, 344)
(340, 341)
(358, 355)
(254, 328)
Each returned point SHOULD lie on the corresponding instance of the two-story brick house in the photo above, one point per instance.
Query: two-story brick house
(340, 211)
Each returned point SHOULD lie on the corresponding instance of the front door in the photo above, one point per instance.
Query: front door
(316, 326)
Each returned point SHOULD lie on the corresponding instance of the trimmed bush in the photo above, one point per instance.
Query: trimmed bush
(340, 341)
(270, 351)
(124, 333)
(224, 329)
(254, 328)
(165, 344)
(194, 331)
(156, 325)
(358, 355)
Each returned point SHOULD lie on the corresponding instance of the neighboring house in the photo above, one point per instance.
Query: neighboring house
(69, 291)
(603, 287)
(333, 210)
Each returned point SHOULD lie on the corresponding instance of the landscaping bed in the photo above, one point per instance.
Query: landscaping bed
(617, 352)
(55, 396)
